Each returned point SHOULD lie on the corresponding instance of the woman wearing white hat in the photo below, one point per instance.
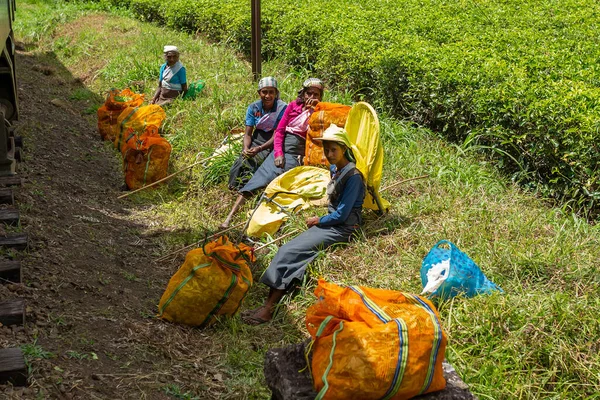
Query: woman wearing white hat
(262, 118)
(346, 192)
(172, 80)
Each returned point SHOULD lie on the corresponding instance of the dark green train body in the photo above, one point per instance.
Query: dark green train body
(9, 107)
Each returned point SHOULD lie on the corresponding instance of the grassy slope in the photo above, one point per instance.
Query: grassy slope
(518, 77)
(538, 340)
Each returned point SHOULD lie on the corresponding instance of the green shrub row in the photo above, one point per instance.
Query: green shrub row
(519, 78)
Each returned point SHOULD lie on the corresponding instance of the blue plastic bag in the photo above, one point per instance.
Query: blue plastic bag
(457, 273)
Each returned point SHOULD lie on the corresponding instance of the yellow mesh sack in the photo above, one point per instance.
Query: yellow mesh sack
(374, 344)
(137, 119)
(116, 102)
(324, 115)
(212, 281)
(145, 158)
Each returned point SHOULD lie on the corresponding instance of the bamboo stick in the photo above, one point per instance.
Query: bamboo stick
(404, 181)
(275, 240)
(198, 243)
(168, 176)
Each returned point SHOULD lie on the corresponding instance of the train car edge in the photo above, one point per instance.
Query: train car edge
(8, 76)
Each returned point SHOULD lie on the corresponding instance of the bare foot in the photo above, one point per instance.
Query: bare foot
(258, 316)
(224, 225)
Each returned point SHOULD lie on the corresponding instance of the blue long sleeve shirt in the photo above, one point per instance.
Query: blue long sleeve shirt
(352, 197)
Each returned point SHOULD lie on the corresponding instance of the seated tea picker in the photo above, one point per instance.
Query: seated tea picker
(262, 118)
(346, 192)
(288, 143)
(172, 80)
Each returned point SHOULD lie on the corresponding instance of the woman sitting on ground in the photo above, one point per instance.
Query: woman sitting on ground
(346, 193)
(172, 80)
(262, 118)
(288, 143)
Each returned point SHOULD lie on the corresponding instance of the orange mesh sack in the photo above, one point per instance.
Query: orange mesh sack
(212, 281)
(137, 119)
(325, 114)
(107, 123)
(374, 344)
(121, 99)
(116, 102)
(145, 158)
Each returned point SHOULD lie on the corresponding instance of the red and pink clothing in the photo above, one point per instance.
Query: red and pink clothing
(295, 122)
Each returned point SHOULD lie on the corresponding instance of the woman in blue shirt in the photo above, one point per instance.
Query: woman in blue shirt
(262, 118)
(172, 80)
(346, 192)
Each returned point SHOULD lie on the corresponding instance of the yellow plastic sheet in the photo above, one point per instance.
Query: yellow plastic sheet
(293, 191)
(362, 126)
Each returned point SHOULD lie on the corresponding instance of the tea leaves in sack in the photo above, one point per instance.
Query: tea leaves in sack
(136, 119)
(108, 113)
(212, 281)
(324, 115)
(145, 158)
(121, 99)
(374, 344)
(107, 123)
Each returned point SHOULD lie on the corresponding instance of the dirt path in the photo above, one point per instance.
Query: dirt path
(88, 281)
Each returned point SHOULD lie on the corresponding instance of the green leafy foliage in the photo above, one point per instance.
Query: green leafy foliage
(217, 169)
(518, 79)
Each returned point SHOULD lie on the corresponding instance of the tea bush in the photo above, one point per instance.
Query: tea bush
(518, 78)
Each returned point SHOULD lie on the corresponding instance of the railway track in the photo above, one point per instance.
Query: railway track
(12, 311)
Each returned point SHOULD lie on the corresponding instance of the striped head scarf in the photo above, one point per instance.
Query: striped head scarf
(310, 82)
(267, 81)
(313, 82)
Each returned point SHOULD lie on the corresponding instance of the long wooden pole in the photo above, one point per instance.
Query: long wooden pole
(276, 240)
(198, 243)
(404, 181)
(255, 45)
(168, 176)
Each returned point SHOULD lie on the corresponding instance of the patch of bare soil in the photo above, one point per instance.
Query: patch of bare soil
(89, 284)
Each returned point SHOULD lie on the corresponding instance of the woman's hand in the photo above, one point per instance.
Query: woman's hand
(280, 161)
(312, 221)
(311, 103)
(251, 152)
